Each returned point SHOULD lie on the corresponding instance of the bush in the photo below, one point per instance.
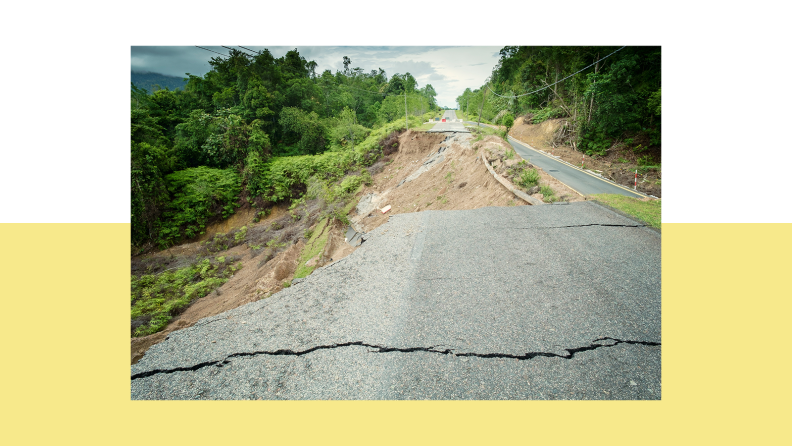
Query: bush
(548, 193)
(528, 178)
(508, 121)
(200, 195)
(157, 298)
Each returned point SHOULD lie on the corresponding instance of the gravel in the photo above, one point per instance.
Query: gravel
(501, 282)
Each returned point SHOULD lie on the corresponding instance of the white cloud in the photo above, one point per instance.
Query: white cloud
(449, 69)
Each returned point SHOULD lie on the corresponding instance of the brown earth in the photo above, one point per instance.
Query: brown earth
(497, 150)
(460, 181)
(263, 272)
(619, 164)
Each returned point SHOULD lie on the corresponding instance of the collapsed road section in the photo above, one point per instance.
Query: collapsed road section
(525, 302)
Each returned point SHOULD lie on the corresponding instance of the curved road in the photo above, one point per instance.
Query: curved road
(579, 180)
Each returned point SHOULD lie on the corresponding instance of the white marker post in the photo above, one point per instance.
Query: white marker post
(636, 180)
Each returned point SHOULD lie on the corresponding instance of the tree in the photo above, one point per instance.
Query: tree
(508, 121)
(304, 129)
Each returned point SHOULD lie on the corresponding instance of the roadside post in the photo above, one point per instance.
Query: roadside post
(636, 180)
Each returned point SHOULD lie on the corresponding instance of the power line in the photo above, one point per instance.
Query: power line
(253, 51)
(234, 49)
(544, 88)
(207, 49)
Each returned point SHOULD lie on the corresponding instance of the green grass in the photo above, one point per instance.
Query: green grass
(314, 246)
(162, 296)
(646, 211)
(528, 178)
(428, 126)
(548, 193)
(460, 115)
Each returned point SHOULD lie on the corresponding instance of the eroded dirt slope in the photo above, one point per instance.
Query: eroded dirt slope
(619, 164)
(456, 178)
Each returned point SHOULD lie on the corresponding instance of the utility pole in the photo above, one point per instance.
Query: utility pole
(406, 123)
(481, 107)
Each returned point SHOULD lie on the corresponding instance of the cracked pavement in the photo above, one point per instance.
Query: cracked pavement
(545, 302)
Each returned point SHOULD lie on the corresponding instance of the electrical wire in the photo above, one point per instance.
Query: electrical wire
(252, 51)
(207, 49)
(234, 49)
(558, 82)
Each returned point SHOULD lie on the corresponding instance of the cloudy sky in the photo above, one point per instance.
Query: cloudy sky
(449, 69)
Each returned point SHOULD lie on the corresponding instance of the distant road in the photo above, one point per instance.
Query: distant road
(583, 182)
(449, 126)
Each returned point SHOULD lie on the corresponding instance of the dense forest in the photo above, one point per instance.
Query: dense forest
(257, 130)
(616, 99)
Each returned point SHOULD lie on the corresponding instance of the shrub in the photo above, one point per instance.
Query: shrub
(157, 298)
(528, 178)
(508, 121)
(200, 194)
(548, 193)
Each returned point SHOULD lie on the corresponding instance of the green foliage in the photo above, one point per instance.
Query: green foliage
(239, 237)
(149, 193)
(542, 115)
(595, 143)
(548, 193)
(303, 128)
(157, 298)
(507, 121)
(616, 98)
(647, 211)
(200, 194)
(247, 109)
(528, 178)
(645, 160)
(220, 140)
(317, 239)
(654, 103)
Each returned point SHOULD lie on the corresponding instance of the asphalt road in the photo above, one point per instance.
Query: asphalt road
(581, 181)
(526, 302)
(449, 126)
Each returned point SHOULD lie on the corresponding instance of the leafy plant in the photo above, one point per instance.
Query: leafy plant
(157, 298)
(200, 195)
(528, 178)
(548, 193)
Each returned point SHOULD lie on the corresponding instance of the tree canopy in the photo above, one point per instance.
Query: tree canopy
(213, 143)
(617, 97)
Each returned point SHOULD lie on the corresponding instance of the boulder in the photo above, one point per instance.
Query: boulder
(367, 204)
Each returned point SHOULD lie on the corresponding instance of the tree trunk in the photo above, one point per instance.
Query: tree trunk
(481, 107)
(591, 107)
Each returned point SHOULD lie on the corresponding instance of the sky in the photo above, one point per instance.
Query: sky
(448, 69)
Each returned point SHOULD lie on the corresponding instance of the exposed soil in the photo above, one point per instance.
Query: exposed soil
(264, 271)
(496, 150)
(619, 164)
(457, 181)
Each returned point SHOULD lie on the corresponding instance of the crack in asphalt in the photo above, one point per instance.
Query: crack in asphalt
(381, 349)
(582, 226)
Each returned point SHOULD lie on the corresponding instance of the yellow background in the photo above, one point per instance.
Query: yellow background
(65, 374)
